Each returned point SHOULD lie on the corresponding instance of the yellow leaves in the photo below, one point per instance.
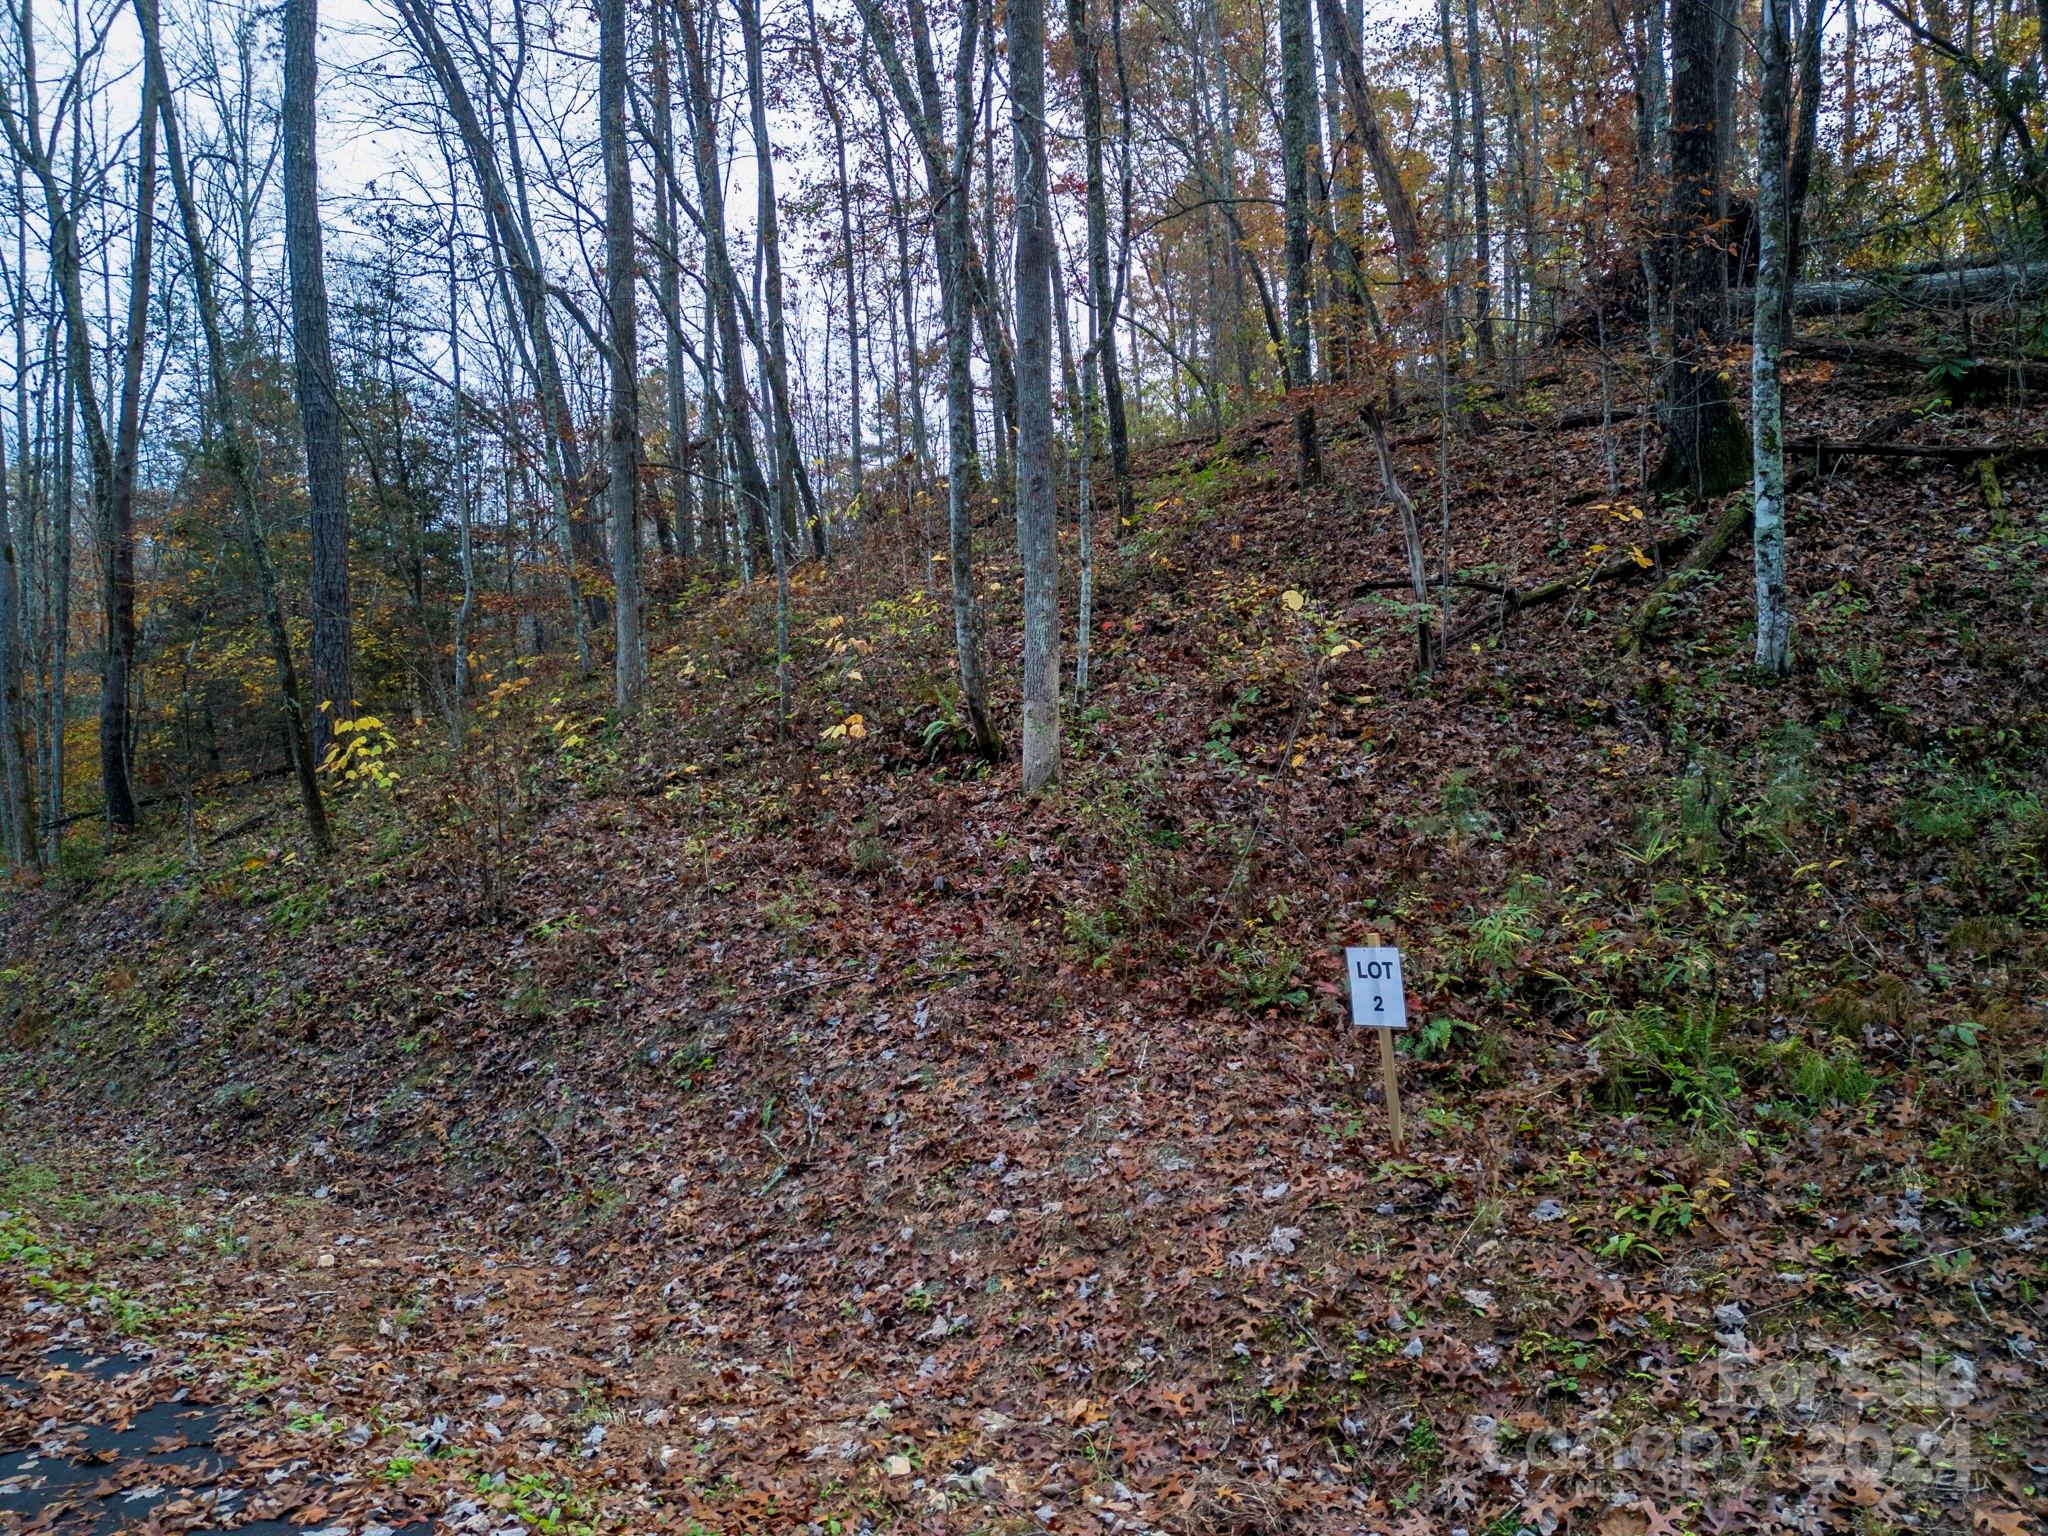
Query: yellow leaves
(359, 751)
(854, 728)
(503, 694)
(1341, 649)
(1292, 601)
(1636, 554)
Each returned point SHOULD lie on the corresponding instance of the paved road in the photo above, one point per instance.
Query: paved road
(103, 1481)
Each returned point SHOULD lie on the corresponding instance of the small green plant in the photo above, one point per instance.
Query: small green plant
(1499, 936)
(1680, 1057)
(1628, 1247)
(1836, 1078)
(1439, 1037)
(1859, 677)
(543, 1504)
(867, 853)
(1126, 808)
(1091, 930)
(1460, 809)
(1262, 970)
(362, 753)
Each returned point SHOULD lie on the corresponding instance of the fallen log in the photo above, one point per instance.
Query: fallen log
(1967, 377)
(1702, 556)
(1574, 419)
(1403, 584)
(1515, 600)
(1821, 451)
(1971, 285)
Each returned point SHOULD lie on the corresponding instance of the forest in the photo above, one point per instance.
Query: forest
(721, 719)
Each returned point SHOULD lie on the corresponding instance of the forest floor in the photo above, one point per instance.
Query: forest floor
(664, 1128)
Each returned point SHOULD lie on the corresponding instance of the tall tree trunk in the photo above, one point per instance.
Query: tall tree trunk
(789, 458)
(1482, 217)
(912, 361)
(1225, 189)
(675, 530)
(1037, 531)
(17, 810)
(994, 306)
(1454, 177)
(464, 510)
(1773, 279)
(830, 98)
(319, 412)
(1706, 446)
(1297, 113)
(718, 275)
(948, 180)
(57, 701)
(117, 670)
(1799, 175)
(1102, 294)
(233, 451)
(24, 131)
(1852, 90)
(965, 471)
(1395, 201)
(1729, 44)
(622, 494)
(528, 278)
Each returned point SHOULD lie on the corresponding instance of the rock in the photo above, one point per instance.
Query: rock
(1547, 1210)
(898, 1466)
(238, 1101)
(1731, 1316)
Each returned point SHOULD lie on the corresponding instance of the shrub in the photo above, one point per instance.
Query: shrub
(1680, 1057)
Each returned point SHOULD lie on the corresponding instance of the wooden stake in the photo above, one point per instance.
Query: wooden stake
(1388, 1080)
(1393, 1088)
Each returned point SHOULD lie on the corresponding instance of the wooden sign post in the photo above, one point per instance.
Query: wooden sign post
(1379, 1003)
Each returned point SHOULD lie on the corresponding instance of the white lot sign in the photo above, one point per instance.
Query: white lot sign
(1377, 1001)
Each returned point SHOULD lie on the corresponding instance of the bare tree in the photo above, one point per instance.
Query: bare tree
(1037, 532)
(1706, 446)
(230, 441)
(1102, 292)
(721, 286)
(946, 177)
(34, 145)
(319, 412)
(17, 809)
(622, 331)
(680, 538)
(1297, 121)
(1482, 217)
(1773, 621)
(833, 112)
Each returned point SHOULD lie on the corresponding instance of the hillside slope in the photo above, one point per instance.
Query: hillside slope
(666, 1128)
